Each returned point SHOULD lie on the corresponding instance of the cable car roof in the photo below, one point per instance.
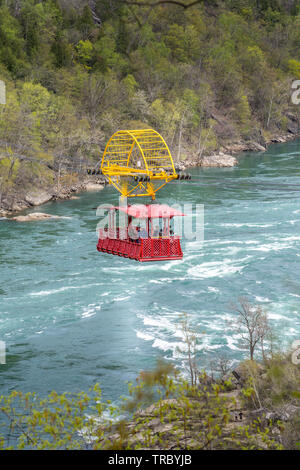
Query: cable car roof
(152, 211)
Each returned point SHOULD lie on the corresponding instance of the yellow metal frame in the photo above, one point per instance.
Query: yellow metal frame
(132, 153)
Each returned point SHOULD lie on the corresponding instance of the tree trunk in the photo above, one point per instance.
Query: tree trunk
(180, 137)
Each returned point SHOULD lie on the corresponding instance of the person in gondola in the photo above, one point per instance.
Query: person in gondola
(143, 233)
(138, 231)
(133, 233)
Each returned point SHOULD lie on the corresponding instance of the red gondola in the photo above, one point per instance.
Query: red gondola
(147, 235)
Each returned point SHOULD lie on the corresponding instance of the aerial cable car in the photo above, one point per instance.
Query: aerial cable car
(138, 163)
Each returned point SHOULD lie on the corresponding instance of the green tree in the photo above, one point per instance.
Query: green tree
(85, 52)
(294, 68)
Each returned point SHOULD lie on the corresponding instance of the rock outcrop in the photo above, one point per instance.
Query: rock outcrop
(93, 187)
(240, 147)
(37, 198)
(34, 216)
(219, 160)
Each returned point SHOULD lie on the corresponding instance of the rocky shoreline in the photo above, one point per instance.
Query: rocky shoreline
(19, 202)
(225, 156)
(221, 159)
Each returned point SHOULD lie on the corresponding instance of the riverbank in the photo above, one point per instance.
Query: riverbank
(19, 200)
(255, 406)
(225, 156)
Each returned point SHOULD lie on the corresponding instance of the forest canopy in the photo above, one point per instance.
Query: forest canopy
(77, 71)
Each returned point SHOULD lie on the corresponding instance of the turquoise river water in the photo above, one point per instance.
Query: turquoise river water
(71, 317)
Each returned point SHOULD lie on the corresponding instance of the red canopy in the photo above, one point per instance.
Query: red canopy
(141, 211)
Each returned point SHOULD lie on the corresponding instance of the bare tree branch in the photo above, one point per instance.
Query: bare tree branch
(252, 325)
(161, 2)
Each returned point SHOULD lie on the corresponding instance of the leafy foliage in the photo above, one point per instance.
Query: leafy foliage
(181, 416)
(94, 67)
